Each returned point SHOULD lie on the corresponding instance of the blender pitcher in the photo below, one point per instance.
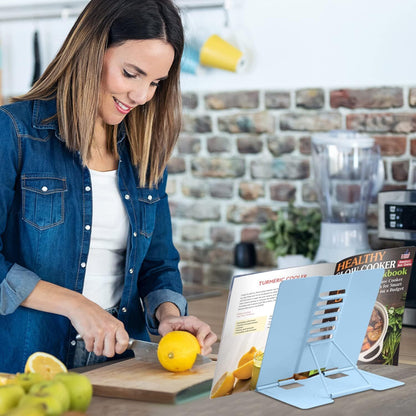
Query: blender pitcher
(348, 173)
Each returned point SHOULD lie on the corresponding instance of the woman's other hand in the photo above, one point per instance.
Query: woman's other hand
(169, 320)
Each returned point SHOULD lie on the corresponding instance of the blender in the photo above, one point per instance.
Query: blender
(348, 173)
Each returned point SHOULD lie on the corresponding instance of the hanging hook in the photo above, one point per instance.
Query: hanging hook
(226, 7)
(185, 18)
(65, 13)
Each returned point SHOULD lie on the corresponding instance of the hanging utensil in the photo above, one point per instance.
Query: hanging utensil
(36, 55)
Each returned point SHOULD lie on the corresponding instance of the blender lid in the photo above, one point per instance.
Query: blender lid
(344, 138)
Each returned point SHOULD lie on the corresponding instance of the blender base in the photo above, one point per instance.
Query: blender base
(341, 240)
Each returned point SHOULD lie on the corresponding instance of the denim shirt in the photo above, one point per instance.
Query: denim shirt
(45, 217)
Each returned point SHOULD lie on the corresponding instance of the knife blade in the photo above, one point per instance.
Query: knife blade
(147, 351)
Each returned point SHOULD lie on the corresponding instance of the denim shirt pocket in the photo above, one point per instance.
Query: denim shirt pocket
(43, 201)
(148, 202)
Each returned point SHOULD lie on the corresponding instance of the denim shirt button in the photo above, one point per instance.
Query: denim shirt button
(88, 188)
(83, 264)
(131, 271)
(44, 188)
(127, 196)
(135, 234)
(73, 343)
(149, 197)
(88, 227)
(124, 309)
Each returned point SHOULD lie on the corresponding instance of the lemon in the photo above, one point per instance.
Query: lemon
(177, 351)
(79, 388)
(45, 364)
(27, 380)
(245, 364)
(249, 355)
(7, 378)
(244, 372)
(223, 386)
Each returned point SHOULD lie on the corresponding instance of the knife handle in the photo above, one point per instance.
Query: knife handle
(78, 337)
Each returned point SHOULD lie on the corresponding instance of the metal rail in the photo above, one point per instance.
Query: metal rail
(64, 9)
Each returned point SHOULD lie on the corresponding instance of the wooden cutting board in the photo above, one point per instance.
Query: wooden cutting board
(139, 380)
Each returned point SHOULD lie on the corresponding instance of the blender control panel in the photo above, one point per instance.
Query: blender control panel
(398, 216)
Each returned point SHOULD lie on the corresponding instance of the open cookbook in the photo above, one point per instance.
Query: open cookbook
(251, 305)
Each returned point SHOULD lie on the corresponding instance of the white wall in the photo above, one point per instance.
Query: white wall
(17, 50)
(288, 44)
(303, 43)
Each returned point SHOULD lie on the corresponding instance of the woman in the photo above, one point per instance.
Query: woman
(86, 244)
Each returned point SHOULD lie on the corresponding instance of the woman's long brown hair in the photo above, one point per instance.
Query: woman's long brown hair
(73, 78)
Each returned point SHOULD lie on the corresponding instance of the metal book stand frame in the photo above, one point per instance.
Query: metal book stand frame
(319, 323)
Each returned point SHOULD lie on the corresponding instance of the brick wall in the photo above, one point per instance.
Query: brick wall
(242, 155)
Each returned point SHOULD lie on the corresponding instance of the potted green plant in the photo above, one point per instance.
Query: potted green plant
(295, 232)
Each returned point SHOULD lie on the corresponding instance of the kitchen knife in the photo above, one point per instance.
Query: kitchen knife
(147, 351)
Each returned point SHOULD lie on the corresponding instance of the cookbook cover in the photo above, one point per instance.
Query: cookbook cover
(382, 341)
(251, 304)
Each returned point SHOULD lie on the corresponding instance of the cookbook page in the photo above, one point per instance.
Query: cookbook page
(247, 321)
(382, 340)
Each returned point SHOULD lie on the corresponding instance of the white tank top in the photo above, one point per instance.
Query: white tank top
(104, 275)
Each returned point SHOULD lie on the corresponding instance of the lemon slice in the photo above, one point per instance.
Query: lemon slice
(244, 372)
(223, 386)
(7, 378)
(45, 364)
(249, 355)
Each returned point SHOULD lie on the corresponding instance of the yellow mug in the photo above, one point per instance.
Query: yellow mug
(218, 53)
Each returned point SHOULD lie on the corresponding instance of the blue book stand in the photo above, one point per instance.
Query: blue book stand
(319, 323)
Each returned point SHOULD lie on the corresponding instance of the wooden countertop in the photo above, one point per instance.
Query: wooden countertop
(398, 401)
(407, 353)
